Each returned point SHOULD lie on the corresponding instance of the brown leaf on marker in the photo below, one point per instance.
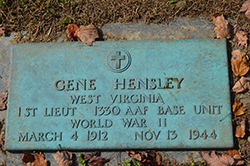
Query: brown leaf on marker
(237, 108)
(87, 34)
(241, 128)
(63, 158)
(223, 28)
(217, 160)
(71, 31)
(239, 65)
(236, 53)
(3, 98)
(34, 159)
(246, 8)
(241, 85)
(241, 38)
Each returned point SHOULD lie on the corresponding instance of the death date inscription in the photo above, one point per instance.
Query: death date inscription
(135, 115)
(102, 135)
(97, 129)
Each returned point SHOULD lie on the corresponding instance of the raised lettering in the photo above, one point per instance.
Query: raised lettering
(77, 84)
(133, 122)
(210, 109)
(91, 123)
(148, 83)
(174, 110)
(59, 111)
(148, 135)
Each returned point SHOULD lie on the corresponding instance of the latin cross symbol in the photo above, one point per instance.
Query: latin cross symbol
(117, 58)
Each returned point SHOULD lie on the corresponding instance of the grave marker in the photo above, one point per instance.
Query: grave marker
(119, 95)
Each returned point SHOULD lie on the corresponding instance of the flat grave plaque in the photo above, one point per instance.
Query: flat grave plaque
(119, 95)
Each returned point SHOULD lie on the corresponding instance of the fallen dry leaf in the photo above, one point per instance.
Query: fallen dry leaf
(149, 157)
(241, 38)
(63, 158)
(239, 65)
(237, 157)
(152, 157)
(237, 108)
(136, 155)
(34, 159)
(28, 158)
(241, 85)
(246, 8)
(71, 31)
(3, 98)
(236, 53)
(2, 30)
(241, 128)
(87, 34)
(223, 28)
(217, 160)
(232, 153)
(94, 159)
(239, 162)
(39, 159)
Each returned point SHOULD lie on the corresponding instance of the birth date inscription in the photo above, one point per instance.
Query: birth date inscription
(119, 95)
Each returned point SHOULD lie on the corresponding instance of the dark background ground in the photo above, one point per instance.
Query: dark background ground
(44, 20)
(47, 20)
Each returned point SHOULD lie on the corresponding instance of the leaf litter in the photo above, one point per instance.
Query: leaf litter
(34, 159)
(3, 98)
(237, 108)
(241, 38)
(149, 157)
(223, 27)
(238, 158)
(19, 16)
(87, 34)
(71, 31)
(243, 84)
(63, 158)
(94, 159)
(239, 65)
(240, 130)
(217, 159)
(246, 8)
(2, 30)
(230, 6)
(236, 53)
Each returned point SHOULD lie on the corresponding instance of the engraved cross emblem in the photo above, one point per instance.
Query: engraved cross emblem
(117, 58)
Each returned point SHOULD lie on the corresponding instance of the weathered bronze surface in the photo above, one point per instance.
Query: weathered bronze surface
(119, 95)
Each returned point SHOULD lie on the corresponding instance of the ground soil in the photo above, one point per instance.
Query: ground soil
(46, 21)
